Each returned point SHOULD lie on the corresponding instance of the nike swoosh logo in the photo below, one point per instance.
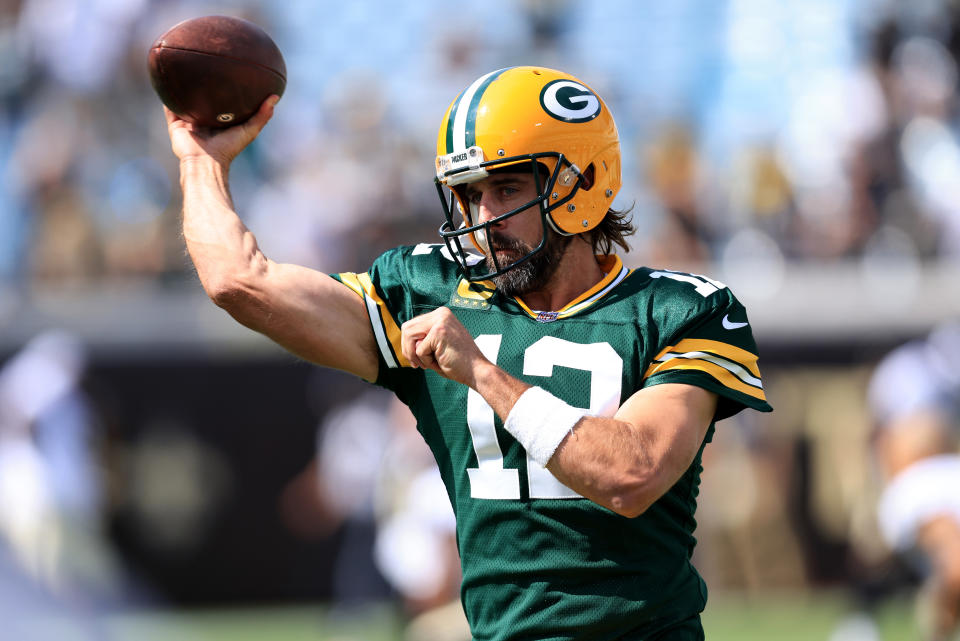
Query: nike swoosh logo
(728, 324)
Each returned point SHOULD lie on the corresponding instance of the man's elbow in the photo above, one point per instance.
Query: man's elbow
(628, 505)
(225, 290)
(636, 494)
(235, 294)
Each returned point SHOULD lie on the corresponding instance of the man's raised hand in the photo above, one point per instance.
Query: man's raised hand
(221, 145)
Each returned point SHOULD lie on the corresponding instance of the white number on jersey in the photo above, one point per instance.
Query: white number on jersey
(490, 480)
(704, 286)
(427, 248)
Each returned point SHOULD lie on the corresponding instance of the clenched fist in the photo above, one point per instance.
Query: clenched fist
(438, 341)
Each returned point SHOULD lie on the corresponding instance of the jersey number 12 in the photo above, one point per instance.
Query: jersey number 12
(490, 479)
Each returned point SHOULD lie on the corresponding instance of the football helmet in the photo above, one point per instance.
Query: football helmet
(536, 119)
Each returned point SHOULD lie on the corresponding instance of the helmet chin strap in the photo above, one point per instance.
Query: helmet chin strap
(481, 234)
(556, 228)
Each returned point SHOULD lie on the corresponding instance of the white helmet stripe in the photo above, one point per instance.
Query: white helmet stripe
(463, 110)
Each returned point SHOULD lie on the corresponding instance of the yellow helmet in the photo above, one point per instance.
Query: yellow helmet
(538, 116)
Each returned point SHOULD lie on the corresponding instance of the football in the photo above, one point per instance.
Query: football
(215, 71)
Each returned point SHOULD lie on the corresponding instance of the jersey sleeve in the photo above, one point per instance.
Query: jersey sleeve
(708, 343)
(387, 299)
(400, 284)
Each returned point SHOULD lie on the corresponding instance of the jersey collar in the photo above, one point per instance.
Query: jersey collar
(615, 273)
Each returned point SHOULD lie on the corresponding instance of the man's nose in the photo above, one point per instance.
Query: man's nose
(486, 208)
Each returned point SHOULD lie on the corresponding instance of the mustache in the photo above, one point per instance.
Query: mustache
(498, 242)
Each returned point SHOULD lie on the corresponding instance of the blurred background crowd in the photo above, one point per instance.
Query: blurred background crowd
(803, 151)
(798, 131)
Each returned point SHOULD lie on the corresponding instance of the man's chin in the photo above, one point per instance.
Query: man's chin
(504, 258)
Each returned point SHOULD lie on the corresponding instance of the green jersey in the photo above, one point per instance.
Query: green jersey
(540, 561)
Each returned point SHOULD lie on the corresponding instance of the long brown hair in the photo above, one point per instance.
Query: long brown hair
(612, 230)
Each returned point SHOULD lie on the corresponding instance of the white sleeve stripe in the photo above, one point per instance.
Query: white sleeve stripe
(734, 368)
(379, 332)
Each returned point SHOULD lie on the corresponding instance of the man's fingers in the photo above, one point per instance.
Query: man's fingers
(409, 342)
(409, 350)
(425, 354)
(412, 356)
(171, 117)
(260, 119)
(416, 342)
(422, 336)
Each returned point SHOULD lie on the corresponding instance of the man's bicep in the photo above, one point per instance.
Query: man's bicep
(680, 415)
(319, 319)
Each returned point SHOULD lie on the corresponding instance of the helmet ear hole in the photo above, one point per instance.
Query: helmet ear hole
(588, 177)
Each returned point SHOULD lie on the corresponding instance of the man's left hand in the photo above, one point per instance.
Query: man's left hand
(438, 341)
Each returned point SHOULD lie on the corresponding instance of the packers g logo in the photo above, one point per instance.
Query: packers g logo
(473, 295)
(569, 101)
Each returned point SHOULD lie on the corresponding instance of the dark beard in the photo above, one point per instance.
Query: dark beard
(533, 274)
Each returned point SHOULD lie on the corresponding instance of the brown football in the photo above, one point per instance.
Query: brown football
(215, 71)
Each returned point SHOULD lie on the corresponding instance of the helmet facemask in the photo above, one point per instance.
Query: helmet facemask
(461, 220)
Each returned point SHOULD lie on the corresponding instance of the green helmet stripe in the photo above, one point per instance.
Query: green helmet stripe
(470, 133)
(453, 112)
(461, 132)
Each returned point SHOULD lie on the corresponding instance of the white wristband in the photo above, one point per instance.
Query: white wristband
(540, 421)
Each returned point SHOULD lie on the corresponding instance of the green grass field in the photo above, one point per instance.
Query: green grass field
(783, 617)
(786, 617)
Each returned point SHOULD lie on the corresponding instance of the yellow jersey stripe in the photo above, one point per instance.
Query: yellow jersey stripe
(727, 351)
(734, 368)
(385, 329)
(714, 370)
(350, 280)
(389, 324)
(574, 308)
(524, 306)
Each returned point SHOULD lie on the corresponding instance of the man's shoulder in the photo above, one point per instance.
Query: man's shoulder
(676, 283)
(677, 289)
(425, 268)
(671, 299)
(434, 257)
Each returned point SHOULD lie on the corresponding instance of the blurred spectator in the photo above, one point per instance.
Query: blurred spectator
(676, 175)
(51, 495)
(915, 397)
(374, 486)
(27, 609)
(778, 135)
(416, 550)
(335, 494)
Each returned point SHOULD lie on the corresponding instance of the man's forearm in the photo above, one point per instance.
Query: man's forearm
(498, 388)
(218, 242)
(624, 463)
(593, 461)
